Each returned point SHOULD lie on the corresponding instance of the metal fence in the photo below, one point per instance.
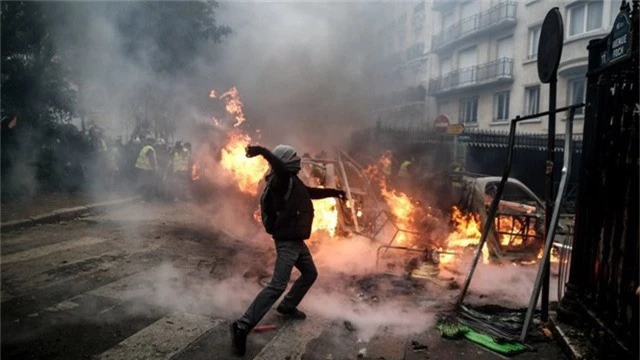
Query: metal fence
(501, 69)
(603, 278)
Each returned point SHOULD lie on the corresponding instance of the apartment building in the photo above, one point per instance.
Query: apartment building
(480, 58)
(404, 71)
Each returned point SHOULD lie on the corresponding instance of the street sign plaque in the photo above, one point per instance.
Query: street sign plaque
(619, 40)
(455, 129)
(550, 45)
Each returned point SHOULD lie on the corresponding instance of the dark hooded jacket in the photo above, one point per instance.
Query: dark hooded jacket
(295, 216)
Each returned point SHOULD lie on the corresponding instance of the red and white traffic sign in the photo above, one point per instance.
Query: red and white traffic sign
(441, 122)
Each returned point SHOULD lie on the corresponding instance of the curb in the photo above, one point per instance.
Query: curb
(574, 344)
(63, 214)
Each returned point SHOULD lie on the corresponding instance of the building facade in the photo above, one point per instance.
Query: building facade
(478, 61)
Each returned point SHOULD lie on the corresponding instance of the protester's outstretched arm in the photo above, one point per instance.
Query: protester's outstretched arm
(276, 164)
(322, 193)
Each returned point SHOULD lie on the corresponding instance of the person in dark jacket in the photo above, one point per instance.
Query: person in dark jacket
(292, 226)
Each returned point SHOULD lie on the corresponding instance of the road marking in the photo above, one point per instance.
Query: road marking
(291, 340)
(142, 284)
(63, 306)
(49, 249)
(163, 339)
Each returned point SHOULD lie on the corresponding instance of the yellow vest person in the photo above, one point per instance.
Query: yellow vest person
(404, 169)
(180, 161)
(143, 162)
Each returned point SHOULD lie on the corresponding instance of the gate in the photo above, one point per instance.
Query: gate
(603, 277)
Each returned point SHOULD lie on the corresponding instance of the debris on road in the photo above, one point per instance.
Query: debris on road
(349, 326)
(264, 328)
(418, 347)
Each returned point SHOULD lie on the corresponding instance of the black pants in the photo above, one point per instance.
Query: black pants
(290, 254)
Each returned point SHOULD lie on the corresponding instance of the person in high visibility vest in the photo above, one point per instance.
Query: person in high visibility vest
(405, 169)
(180, 159)
(147, 164)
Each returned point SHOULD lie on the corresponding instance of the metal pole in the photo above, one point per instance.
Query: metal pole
(350, 201)
(492, 212)
(566, 168)
(551, 143)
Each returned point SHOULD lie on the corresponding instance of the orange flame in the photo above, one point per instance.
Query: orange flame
(511, 231)
(403, 208)
(247, 172)
(325, 216)
(234, 105)
(195, 171)
(467, 232)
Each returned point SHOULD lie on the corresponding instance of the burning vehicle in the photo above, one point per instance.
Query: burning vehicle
(518, 231)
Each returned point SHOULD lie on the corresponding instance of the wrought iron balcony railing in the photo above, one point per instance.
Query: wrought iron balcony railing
(490, 72)
(502, 14)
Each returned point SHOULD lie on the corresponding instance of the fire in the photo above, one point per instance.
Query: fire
(401, 206)
(403, 209)
(467, 232)
(555, 259)
(233, 105)
(195, 171)
(325, 216)
(247, 172)
(511, 231)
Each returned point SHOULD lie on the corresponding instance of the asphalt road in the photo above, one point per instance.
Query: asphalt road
(159, 281)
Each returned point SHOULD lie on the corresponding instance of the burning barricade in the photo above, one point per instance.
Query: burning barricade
(395, 221)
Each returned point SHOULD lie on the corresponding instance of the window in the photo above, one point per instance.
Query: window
(445, 66)
(469, 110)
(512, 192)
(501, 106)
(532, 100)
(577, 93)
(505, 48)
(585, 17)
(534, 39)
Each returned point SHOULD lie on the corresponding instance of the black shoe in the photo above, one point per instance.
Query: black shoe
(291, 313)
(238, 339)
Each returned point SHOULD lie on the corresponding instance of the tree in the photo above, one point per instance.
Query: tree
(34, 83)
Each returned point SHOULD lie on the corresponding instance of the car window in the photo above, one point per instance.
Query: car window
(512, 192)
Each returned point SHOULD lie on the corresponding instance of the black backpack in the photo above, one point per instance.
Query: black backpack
(270, 204)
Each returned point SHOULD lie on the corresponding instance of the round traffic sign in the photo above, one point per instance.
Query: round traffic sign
(550, 45)
(441, 121)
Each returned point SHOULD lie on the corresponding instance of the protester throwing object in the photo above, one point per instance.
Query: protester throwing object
(287, 214)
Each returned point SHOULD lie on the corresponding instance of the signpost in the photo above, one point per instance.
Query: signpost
(441, 123)
(549, 54)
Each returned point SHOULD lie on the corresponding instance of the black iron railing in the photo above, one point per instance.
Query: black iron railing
(501, 69)
(496, 15)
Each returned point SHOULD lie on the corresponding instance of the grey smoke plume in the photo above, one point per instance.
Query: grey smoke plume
(303, 69)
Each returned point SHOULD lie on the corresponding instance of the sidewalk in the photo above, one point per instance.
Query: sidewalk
(54, 207)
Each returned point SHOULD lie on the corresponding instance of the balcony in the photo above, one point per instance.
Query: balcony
(493, 72)
(497, 17)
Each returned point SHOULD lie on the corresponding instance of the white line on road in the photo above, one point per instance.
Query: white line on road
(162, 339)
(292, 338)
(49, 249)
